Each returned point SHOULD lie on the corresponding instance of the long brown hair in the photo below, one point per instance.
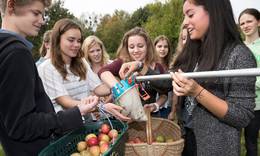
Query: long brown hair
(123, 52)
(77, 66)
(168, 57)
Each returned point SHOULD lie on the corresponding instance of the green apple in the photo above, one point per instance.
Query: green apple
(160, 138)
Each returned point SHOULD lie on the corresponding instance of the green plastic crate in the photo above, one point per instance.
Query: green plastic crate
(67, 144)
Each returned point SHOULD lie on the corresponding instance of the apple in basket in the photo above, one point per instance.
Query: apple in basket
(137, 140)
(82, 145)
(75, 154)
(91, 135)
(105, 128)
(85, 153)
(94, 150)
(92, 141)
(103, 137)
(104, 147)
(113, 134)
(160, 138)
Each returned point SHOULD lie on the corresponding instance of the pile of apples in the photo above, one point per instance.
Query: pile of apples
(96, 145)
(158, 139)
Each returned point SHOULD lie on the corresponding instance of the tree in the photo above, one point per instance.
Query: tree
(52, 15)
(139, 17)
(166, 20)
(111, 30)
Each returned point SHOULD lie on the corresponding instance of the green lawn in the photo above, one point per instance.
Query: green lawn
(243, 151)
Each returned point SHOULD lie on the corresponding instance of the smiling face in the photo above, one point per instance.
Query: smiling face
(249, 24)
(70, 44)
(137, 48)
(95, 54)
(196, 20)
(162, 48)
(28, 19)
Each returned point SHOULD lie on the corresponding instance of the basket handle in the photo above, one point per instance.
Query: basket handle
(149, 127)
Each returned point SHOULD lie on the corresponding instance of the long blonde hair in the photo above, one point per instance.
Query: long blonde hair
(91, 41)
(46, 39)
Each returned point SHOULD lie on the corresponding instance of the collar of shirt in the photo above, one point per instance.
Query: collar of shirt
(19, 37)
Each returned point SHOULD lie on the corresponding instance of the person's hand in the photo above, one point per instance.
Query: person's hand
(171, 115)
(151, 107)
(114, 110)
(183, 86)
(128, 68)
(88, 104)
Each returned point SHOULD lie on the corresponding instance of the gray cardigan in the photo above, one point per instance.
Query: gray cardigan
(215, 136)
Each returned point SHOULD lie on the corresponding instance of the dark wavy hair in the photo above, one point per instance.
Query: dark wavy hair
(222, 30)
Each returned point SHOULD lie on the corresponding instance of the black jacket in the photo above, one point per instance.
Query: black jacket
(27, 116)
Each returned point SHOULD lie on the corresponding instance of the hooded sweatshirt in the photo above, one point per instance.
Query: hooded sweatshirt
(28, 121)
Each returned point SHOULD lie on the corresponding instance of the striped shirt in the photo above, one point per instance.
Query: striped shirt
(55, 86)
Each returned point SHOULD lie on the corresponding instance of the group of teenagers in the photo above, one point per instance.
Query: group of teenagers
(43, 101)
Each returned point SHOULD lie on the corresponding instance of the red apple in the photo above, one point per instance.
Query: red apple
(91, 135)
(137, 140)
(104, 137)
(81, 146)
(94, 150)
(113, 134)
(105, 128)
(131, 142)
(92, 141)
(104, 147)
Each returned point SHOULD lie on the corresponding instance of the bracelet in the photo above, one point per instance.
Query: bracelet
(83, 119)
(157, 107)
(140, 66)
(199, 93)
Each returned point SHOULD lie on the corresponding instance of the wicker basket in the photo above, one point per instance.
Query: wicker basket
(147, 131)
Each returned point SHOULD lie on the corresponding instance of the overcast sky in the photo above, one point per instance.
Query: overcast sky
(78, 7)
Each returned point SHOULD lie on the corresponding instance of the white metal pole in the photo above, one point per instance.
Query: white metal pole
(206, 74)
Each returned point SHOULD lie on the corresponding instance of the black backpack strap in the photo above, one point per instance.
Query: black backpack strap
(8, 41)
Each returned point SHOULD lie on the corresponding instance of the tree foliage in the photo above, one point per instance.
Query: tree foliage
(111, 29)
(165, 20)
(52, 15)
(159, 18)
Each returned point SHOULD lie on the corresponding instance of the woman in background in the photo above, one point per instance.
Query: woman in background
(45, 48)
(96, 55)
(249, 21)
(164, 53)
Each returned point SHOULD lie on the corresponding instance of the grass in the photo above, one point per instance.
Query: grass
(243, 150)
(1, 151)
